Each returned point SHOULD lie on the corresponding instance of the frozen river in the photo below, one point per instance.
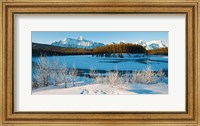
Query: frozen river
(106, 63)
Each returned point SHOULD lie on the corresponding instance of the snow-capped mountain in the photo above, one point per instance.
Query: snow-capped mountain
(80, 42)
(149, 45)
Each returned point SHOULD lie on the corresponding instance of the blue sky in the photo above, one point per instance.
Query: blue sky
(47, 37)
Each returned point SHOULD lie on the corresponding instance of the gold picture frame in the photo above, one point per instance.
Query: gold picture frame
(7, 43)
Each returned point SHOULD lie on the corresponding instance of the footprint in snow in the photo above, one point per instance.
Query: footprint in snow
(84, 91)
(99, 92)
(116, 93)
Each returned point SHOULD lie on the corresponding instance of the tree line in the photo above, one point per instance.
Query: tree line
(161, 51)
(107, 51)
(49, 50)
(118, 49)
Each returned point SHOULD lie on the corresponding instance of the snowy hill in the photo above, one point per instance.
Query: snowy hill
(149, 45)
(80, 42)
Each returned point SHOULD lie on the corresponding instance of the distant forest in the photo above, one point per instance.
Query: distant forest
(49, 50)
(119, 49)
(161, 51)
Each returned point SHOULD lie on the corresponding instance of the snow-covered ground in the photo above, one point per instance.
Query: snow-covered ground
(100, 89)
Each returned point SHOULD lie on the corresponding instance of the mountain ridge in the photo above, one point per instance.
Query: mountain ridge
(80, 42)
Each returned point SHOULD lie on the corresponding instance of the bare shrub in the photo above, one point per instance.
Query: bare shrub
(161, 75)
(92, 74)
(121, 79)
(122, 82)
(148, 76)
(42, 71)
(64, 73)
(127, 77)
(106, 78)
(113, 77)
(34, 85)
(73, 75)
(99, 79)
(136, 76)
(55, 71)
